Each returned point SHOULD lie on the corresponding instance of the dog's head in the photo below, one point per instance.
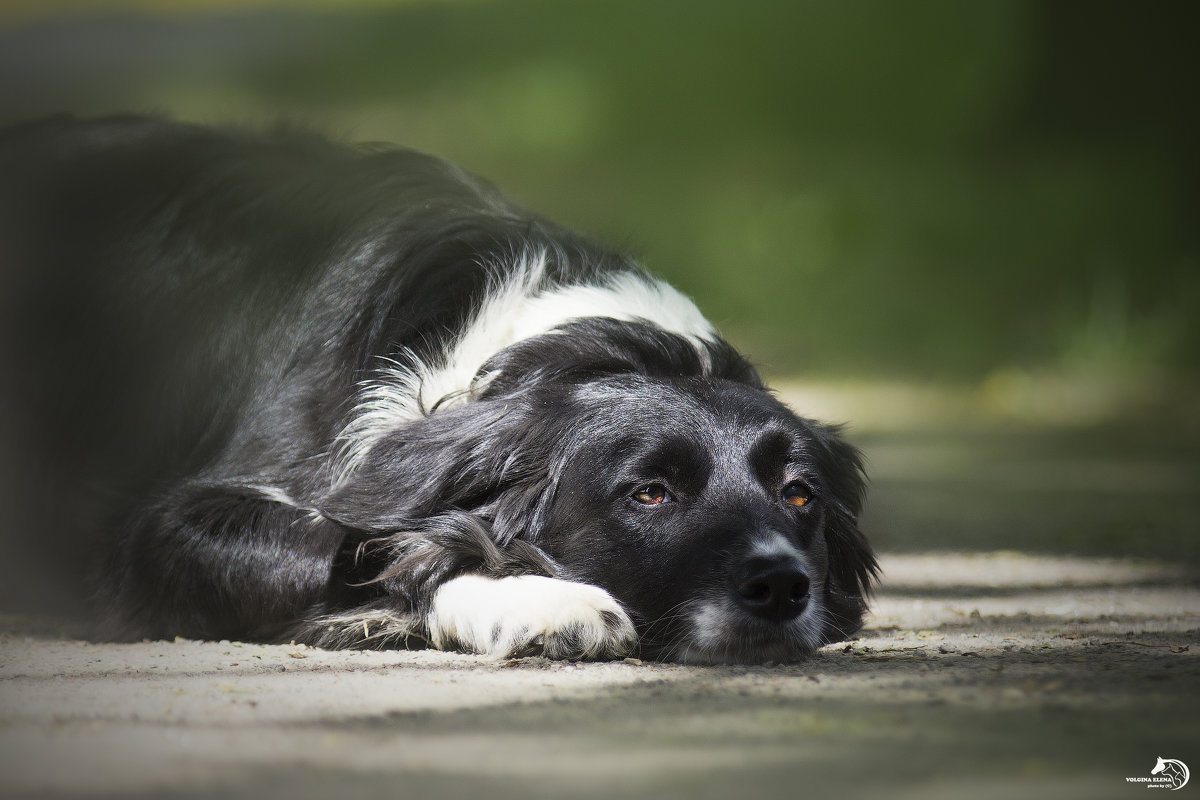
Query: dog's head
(662, 472)
(724, 523)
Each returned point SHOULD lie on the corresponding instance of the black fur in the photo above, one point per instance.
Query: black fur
(190, 314)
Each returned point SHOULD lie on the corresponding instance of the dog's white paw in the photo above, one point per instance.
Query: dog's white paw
(529, 615)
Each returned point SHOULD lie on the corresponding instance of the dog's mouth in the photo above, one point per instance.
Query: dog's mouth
(717, 632)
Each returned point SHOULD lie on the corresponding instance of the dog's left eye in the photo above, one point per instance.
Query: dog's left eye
(652, 494)
(797, 494)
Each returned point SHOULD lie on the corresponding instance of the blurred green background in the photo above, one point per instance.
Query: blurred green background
(922, 188)
(913, 215)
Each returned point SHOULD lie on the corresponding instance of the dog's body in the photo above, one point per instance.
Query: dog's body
(361, 399)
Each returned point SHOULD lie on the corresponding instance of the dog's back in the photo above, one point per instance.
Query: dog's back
(167, 290)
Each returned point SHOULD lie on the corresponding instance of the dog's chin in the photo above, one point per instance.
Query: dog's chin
(720, 633)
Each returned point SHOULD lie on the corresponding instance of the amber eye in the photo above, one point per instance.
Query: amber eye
(796, 494)
(652, 494)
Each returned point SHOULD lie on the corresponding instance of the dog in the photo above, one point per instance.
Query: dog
(355, 397)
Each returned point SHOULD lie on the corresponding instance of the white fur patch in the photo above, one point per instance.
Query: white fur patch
(525, 305)
(275, 495)
(529, 615)
(716, 636)
(776, 545)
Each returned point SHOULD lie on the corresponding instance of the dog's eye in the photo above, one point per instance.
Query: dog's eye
(796, 494)
(652, 494)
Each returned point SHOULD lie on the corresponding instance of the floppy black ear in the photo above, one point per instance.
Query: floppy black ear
(463, 490)
(468, 458)
(852, 565)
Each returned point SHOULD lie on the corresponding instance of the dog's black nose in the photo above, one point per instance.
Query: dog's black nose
(774, 588)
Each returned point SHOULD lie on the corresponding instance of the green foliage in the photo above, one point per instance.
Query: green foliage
(931, 188)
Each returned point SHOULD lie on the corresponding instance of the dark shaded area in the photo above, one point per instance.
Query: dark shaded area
(932, 188)
(1125, 490)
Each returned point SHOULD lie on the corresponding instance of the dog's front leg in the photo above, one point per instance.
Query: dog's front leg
(529, 615)
(215, 561)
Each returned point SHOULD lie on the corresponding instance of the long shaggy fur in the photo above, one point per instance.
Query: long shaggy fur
(294, 390)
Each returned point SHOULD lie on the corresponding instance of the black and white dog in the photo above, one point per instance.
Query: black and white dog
(360, 399)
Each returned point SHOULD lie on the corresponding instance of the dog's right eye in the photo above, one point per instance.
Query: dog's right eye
(652, 494)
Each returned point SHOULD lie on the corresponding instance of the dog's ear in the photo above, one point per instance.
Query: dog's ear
(463, 490)
(490, 458)
(852, 563)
